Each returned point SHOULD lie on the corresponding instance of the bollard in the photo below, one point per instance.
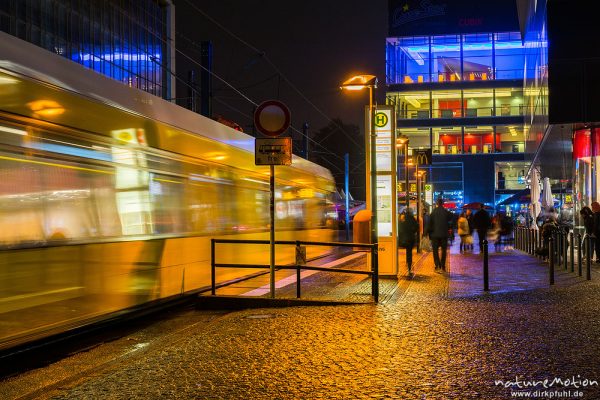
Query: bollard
(559, 246)
(213, 272)
(486, 277)
(537, 241)
(588, 262)
(521, 239)
(551, 258)
(572, 246)
(579, 254)
(565, 248)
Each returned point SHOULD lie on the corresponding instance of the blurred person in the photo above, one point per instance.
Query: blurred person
(463, 231)
(481, 222)
(587, 218)
(469, 217)
(437, 229)
(407, 232)
(548, 228)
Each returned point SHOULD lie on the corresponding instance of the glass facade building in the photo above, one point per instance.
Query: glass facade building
(453, 58)
(462, 95)
(126, 40)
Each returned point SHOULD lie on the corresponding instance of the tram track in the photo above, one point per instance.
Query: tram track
(100, 359)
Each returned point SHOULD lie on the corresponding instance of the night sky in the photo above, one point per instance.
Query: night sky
(314, 44)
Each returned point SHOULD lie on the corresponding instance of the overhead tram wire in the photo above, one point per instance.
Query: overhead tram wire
(268, 60)
(216, 76)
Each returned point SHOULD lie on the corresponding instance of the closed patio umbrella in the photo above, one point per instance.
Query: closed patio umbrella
(535, 206)
(547, 199)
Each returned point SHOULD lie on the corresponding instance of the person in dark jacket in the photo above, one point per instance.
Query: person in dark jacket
(587, 217)
(407, 232)
(596, 217)
(437, 230)
(481, 222)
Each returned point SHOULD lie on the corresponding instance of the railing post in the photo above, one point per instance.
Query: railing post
(213, 279)
(486, 277)
(375, 271)
(588, 262)
(558, 248)
(579, 254)
(298, 269)
(519, 238)
(551, 258)
(565, 241)
(572, 246)
(531, 237)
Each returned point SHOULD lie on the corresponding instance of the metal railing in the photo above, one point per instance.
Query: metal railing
(298, 266)
(558, 249)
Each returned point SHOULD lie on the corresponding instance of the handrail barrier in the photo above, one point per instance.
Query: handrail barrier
(298, 266)
(563, 248)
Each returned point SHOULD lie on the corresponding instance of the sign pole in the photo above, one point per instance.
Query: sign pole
(272, 235)
(272, 118)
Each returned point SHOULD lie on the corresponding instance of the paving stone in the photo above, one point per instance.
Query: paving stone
(437, 336)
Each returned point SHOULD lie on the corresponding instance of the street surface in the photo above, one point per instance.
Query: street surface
(437, 336)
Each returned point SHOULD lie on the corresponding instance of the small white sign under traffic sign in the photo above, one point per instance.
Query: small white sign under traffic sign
(273, 151)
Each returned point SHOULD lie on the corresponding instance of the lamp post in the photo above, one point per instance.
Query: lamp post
(360, 82)
(419, 175)
(403, 141)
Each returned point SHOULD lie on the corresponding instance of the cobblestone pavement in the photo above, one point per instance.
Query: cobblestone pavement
(435, 340)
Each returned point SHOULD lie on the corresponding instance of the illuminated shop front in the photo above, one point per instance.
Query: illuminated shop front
(586, 162)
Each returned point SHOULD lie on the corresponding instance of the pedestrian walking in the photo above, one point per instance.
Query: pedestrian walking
(549, 227)
(481, 223)
(463, 231)
(469, 217)
(587, 216)
(437, 230)
(596, 231)
(407, 232)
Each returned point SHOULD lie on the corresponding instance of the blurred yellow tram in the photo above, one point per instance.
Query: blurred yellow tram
(109, 197)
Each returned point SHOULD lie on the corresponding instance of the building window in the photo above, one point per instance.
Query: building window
(477, 57)
(479, 103)
(445, 53)
(447, 104)
(510, 55)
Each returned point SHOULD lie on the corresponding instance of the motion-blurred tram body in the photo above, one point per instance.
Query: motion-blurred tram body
(109, 197)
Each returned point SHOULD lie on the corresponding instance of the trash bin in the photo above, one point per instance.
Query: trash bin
(361, 227)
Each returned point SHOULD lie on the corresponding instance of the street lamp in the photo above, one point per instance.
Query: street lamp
(360, 82)
(419, 175)
(403, 141)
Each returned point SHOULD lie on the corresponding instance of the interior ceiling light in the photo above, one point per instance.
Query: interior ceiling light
(46, 108)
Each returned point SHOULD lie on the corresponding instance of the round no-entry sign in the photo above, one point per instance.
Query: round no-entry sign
(272, 118)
